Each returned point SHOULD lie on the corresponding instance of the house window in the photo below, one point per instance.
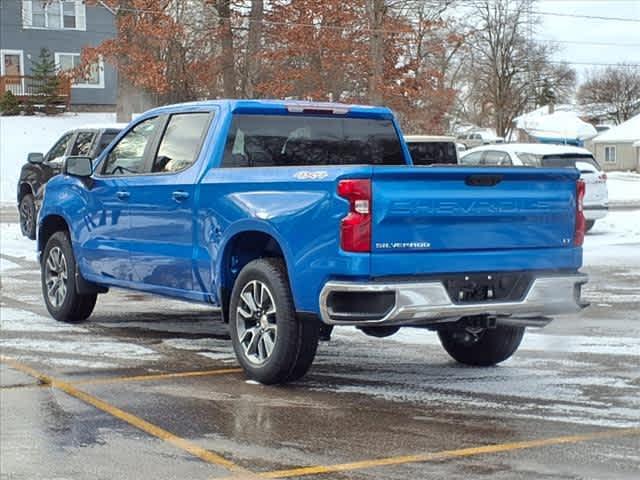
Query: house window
(69, 61)
(54, 14)
(610, 154)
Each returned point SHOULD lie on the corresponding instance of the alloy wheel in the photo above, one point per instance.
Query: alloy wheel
(256, 322)
(56, 277)
(26, 217)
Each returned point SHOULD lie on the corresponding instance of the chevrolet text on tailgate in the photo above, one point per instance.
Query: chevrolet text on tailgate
(294, 217)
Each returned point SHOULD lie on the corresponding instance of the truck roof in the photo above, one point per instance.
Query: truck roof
(280, 106)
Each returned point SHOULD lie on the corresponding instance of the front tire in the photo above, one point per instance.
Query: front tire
(481, 347)
(271, 343)
(27, 211)
(58, 268)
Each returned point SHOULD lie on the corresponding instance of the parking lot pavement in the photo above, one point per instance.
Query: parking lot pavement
(149, 388)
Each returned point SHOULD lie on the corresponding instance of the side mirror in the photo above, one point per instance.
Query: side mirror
(78, 166)
(35, 158)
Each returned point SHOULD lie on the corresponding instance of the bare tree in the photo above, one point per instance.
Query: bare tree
(376, 10)
(507, 70)
(254, 40)
(614, 89)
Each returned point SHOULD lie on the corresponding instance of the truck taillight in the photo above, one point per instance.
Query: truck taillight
(355, 228)
(578, 239)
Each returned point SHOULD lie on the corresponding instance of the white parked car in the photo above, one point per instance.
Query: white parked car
(475, 139)
(432, 149)
(596, 199)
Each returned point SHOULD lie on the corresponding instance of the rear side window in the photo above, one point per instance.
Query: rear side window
(82, 145)
(472, 158)
(292, 140)
(181, 142)
(495, 157)
(529, 159)
(432, 153)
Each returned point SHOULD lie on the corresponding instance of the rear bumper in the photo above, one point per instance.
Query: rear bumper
(426, 303)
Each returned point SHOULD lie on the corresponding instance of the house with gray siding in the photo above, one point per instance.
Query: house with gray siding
(619, 148)
(64, 27)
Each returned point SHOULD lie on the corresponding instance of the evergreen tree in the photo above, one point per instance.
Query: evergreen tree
(47, 82)
(9, 104)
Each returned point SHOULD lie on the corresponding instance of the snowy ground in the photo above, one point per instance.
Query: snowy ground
(624, 189)
(21, 135)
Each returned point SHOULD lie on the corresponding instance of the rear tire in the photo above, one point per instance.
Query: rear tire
(58, 268)
(271, 343)
(27, 211)
(589, 225)
(481, 347)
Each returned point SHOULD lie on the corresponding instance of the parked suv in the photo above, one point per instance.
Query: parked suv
(432, 150)
(87, 141)
(596, 198)
(293, 217)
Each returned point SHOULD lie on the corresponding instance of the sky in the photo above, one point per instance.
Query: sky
(589, 32)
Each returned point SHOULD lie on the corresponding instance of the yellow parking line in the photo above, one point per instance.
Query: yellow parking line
(186, 445)
(158, 376)
(447, 454)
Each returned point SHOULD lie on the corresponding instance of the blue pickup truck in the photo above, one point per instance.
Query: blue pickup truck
(294, 217)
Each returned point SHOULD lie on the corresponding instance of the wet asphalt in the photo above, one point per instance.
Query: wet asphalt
(365, 399)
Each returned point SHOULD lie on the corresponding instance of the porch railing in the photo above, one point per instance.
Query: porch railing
(28, 89)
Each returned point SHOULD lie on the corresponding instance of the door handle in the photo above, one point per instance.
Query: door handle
(179, 196)
(123, 195)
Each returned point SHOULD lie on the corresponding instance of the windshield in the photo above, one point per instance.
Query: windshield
(288, 140)
(431, 153)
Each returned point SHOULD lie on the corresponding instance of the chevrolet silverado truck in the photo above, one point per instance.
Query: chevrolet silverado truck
(294, 217)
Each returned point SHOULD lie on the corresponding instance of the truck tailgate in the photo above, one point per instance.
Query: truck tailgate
(452, 212)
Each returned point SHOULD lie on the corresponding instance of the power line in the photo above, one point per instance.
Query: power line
(588, 17)
(594, 64)
(580, 42)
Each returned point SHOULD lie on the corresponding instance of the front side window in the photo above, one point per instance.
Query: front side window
(69, 61)
(181, 142)
(610, 154)
(59, 149)
(128, 156)
(82, 145)
(304, 140)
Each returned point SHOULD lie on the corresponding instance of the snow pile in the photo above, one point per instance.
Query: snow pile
(21, 135)
(628, 131)
(624, 189)
(560, 125)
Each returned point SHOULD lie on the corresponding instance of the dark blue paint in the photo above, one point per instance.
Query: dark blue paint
(154, 242)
